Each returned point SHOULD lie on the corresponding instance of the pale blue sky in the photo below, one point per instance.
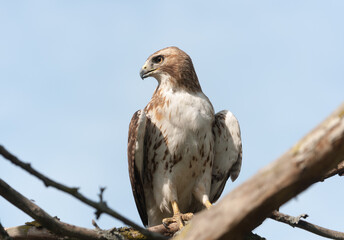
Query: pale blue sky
(69, 84)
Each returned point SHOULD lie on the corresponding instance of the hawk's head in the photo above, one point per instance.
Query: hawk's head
(172, 66)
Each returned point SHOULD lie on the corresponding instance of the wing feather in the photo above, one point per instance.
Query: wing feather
(228, 152)
(136, 160)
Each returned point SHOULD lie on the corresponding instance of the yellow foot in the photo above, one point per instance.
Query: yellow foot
(178, 218)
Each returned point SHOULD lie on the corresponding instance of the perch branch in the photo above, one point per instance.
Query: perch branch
(33, 232)
(297, 222)
(248, 205)
(37, 233)
(30, 232)
(100, 207)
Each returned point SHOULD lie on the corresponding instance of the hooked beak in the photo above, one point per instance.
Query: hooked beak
(143, 73)
(146, 71)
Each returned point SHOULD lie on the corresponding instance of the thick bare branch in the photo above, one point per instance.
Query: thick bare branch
(38, 233)
(324, 232)
(101, 206)
(248, 205)
(31, 232)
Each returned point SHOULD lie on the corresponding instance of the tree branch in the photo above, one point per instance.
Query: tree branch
(38, 233)
(101, 207)
(247, 206)
(49, 222)
(33, 233)
(45, 222)
(297, 222)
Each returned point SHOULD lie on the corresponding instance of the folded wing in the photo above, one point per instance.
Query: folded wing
(136, 160)
(228, 152)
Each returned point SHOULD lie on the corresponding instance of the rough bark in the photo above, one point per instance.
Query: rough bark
(30, 232)
(248, 205)
(27, 232)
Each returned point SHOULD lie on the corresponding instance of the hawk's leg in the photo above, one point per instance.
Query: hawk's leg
(208, 204)
(178, 217)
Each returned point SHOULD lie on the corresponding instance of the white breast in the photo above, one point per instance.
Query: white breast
(186, 121)
(185, 115)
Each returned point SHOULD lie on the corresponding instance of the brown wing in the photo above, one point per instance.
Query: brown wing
(228, 152)
(136, 147)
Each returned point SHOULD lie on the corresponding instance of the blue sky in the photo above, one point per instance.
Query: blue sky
(69, 75)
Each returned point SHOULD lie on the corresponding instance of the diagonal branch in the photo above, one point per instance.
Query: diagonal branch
(45, 222)
(51, 223)
(297, 222)
(101, 207)
(38, 230)
(247, 206)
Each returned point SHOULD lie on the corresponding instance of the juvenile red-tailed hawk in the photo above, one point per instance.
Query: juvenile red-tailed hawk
(180, 153)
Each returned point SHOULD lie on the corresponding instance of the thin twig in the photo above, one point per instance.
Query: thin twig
(101, 207)
(51, 223)
(3, 234)
(297, 222)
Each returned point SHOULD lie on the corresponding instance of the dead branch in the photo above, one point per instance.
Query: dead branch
(297, 222)
(49, 222)
(27, 232)
(48, 227)
(46, 222)
(247, 206)
(33, 232)
(100, 207)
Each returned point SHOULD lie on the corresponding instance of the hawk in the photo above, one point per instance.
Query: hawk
(180, 154)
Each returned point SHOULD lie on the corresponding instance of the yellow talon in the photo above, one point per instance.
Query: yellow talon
(178, 217)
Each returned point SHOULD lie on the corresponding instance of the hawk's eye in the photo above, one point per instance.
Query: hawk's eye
(158, 59)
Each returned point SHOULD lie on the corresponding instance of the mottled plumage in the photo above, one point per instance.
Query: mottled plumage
(180, 153)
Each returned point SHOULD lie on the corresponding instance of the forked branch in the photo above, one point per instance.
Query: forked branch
(101, 206)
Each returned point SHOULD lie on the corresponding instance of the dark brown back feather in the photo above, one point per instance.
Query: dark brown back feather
(135, 179)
